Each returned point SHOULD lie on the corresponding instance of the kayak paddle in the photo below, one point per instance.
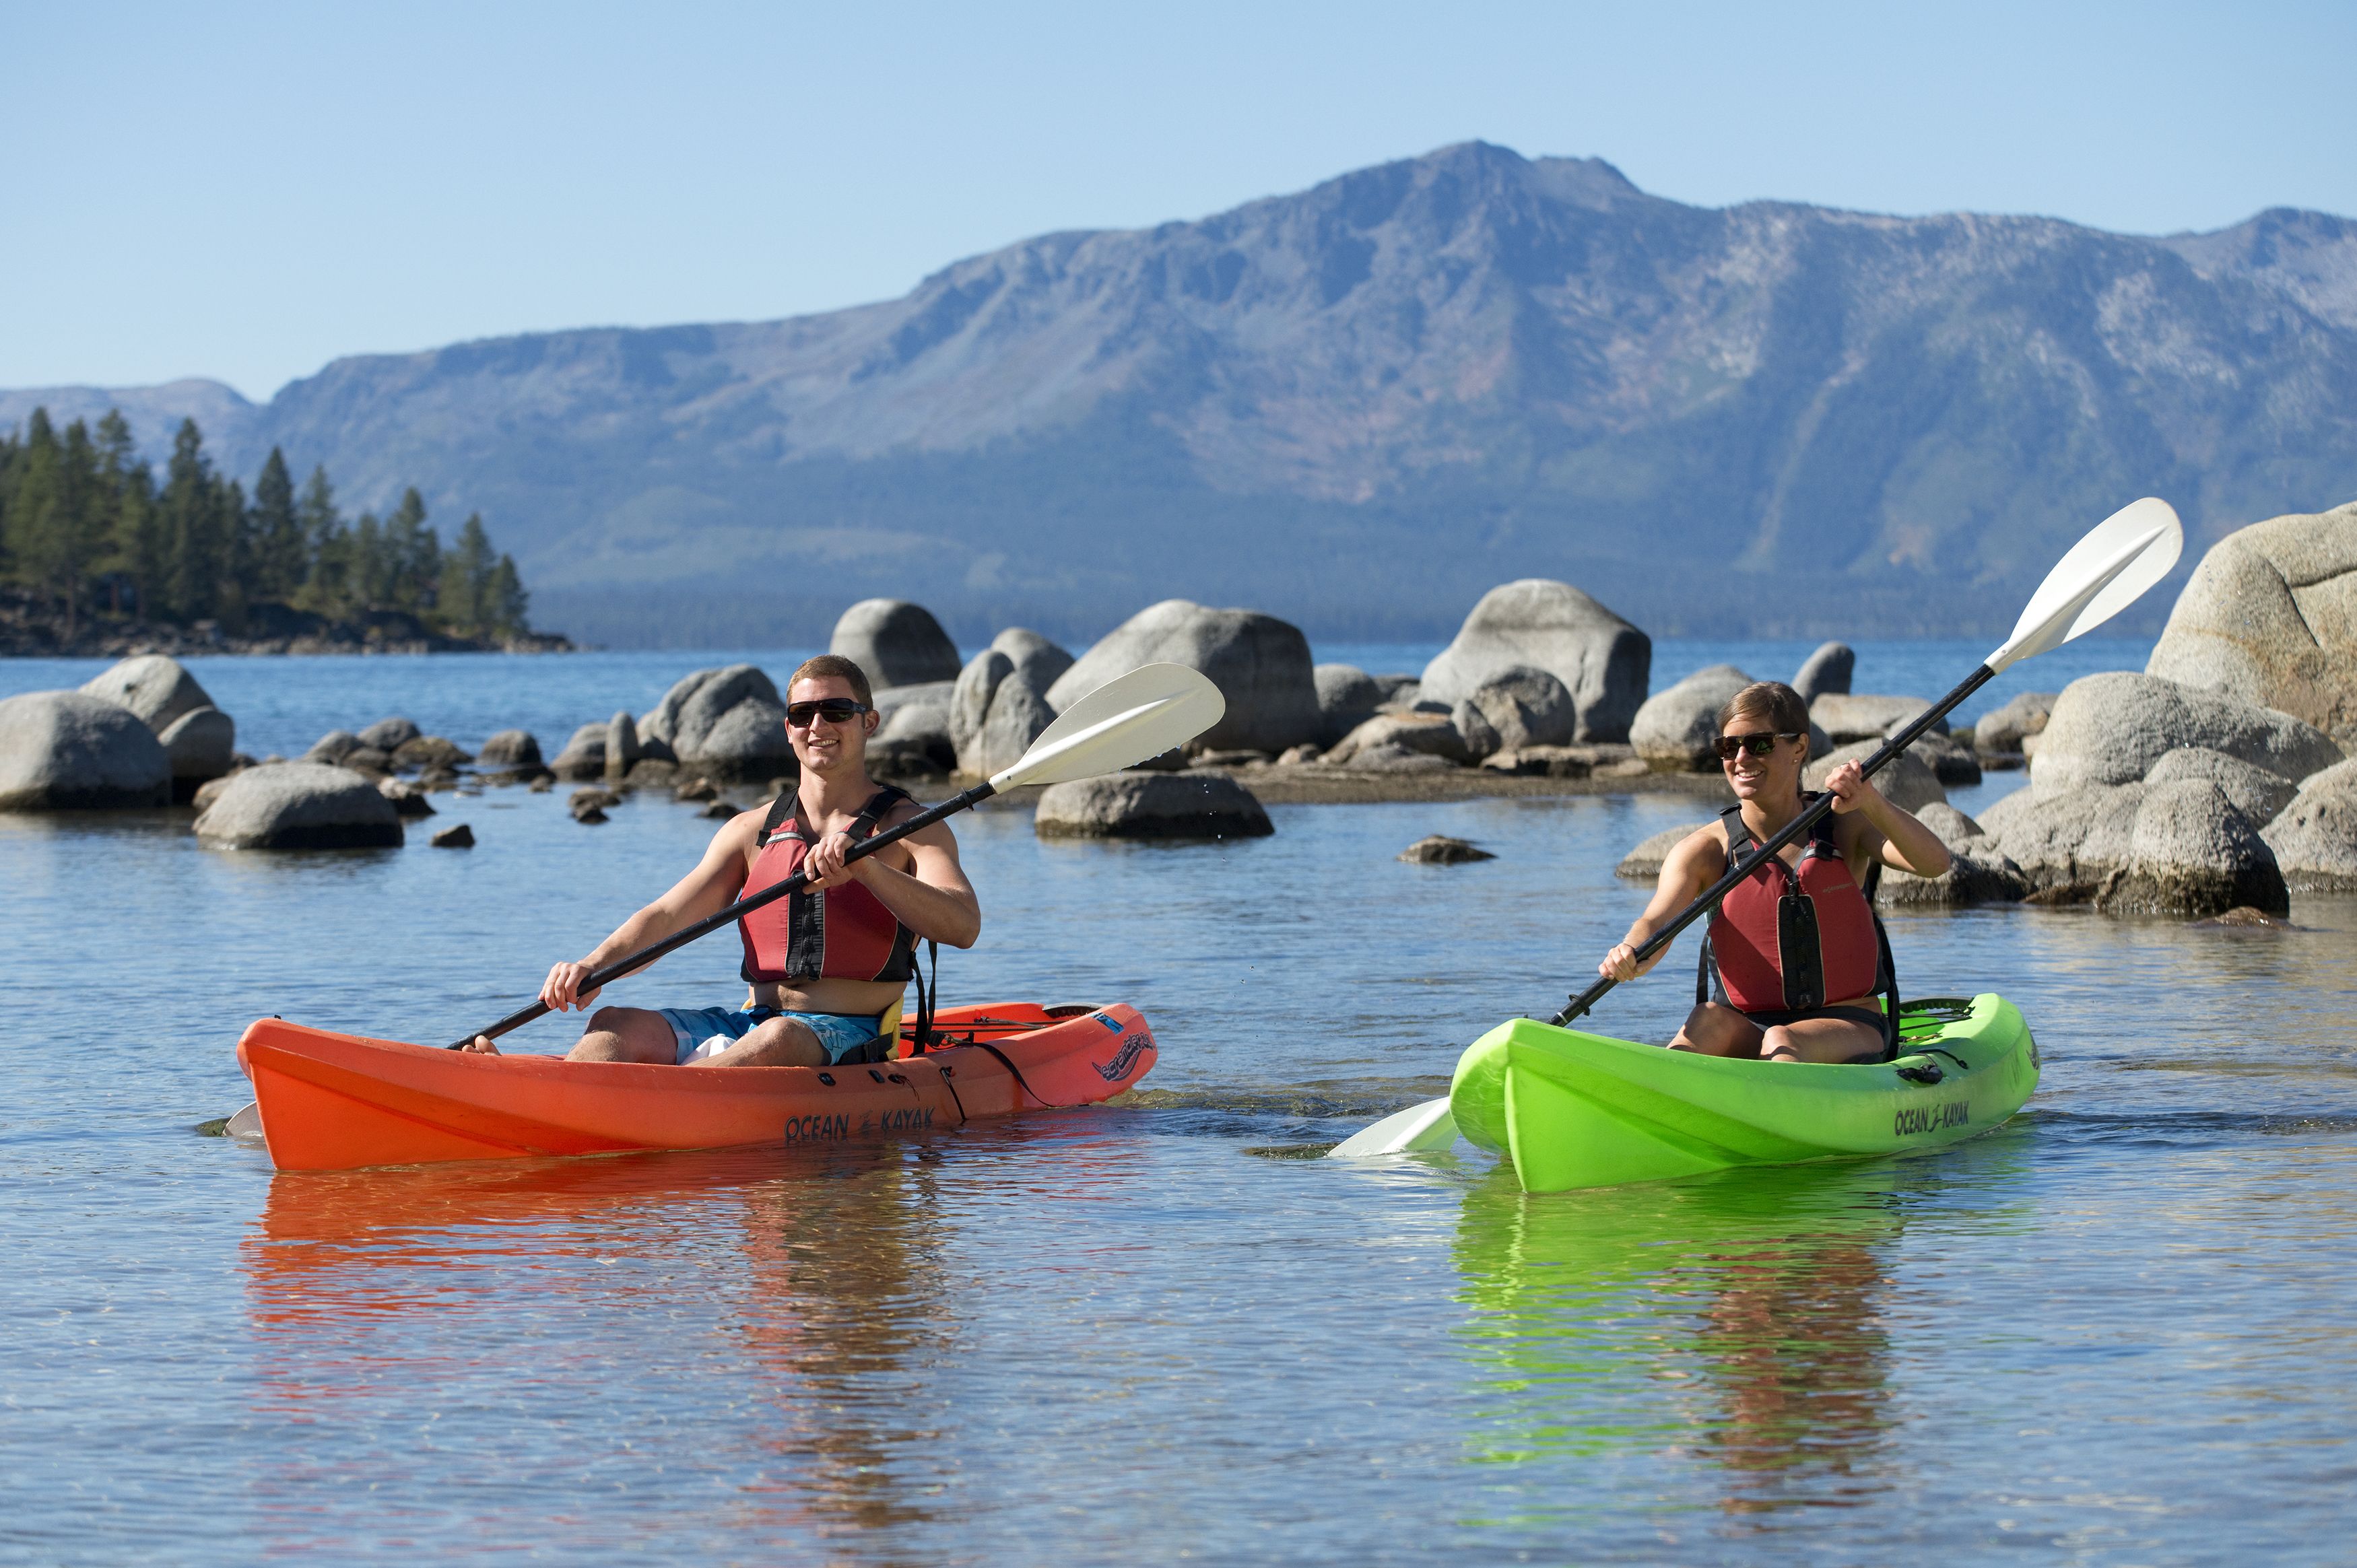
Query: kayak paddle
(2104, 573)
(1143, 714)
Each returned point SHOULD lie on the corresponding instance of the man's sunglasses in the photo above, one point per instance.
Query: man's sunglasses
(834, 710)
(1759, 745)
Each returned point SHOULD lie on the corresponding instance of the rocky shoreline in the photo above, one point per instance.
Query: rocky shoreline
(31, 628)
(2217, 779)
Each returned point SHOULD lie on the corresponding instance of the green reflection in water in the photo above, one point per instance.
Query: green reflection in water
(1740, 1325)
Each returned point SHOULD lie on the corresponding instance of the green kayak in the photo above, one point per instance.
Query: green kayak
(1575, 1109)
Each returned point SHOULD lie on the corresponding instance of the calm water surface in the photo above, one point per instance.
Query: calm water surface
(2111, 1332)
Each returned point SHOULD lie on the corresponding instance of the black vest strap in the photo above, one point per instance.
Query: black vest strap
(782, 814)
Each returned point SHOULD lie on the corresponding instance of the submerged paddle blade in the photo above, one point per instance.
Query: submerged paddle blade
(1143, 714)
(2104, 573)
(1419, 1129)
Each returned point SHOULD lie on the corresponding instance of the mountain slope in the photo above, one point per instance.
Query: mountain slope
(1361, 405)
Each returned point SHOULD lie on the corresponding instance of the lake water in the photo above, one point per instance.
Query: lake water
(2108, 1334)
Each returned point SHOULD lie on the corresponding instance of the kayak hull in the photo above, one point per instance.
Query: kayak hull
(331, 1102)
(1571, 1110)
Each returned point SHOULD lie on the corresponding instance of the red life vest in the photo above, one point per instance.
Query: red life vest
(1788, 939)
(844, 933)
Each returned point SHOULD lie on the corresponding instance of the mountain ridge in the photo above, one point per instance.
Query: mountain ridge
(1361, 405)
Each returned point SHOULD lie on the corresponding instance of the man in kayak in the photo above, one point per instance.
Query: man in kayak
(1798, 950)
(825, 964)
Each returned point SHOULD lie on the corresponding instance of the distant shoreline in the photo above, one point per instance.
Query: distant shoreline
(32, 630)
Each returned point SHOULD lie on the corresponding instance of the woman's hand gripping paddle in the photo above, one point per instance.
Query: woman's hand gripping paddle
(2104, 573)
(1143, 714)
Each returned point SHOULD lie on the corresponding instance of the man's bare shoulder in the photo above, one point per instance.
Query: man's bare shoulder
(740, 832)
(903, 810)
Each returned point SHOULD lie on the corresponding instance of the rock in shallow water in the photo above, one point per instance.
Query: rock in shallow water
(2315, 837)
(1440, 849)
(727, 724)
(2270, 617)
(153, 687)
(1826, 672)
(1678, 729)
(1190, 805)
(1260, 664)
(458, 836)
(1908, 782)
(389, 735)
(201, 744)
(2194, 853)
(69, 751)
(2111, 728)
(1643, 863)
(898, 643)
(1601, 659)
(299, 805)
(511, 749)
(408, 800)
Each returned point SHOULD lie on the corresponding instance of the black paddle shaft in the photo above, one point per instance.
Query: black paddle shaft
(1782, 836)
(630, 963)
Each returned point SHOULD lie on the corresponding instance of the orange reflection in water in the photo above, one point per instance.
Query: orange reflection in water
(805, 1277)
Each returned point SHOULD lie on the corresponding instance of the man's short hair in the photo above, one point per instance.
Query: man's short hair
(835, 667)
(1771, 700)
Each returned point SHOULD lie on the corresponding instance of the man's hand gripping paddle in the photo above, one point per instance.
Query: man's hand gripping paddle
(1143, 714)
(2103, 574)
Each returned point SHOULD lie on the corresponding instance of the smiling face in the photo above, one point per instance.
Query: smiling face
(828, 746)
(1775, 776)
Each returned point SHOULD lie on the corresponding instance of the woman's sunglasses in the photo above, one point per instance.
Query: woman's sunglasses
(834, 710)
(1759, 745)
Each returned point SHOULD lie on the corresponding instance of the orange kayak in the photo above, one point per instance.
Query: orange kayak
(332, 1101)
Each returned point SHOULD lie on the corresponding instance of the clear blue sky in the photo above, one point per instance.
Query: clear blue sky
(247, 191)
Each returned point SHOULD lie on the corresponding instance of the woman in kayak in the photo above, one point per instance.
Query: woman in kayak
(1797, 948)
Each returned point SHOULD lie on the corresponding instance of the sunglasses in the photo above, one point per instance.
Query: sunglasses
(834, 710)
(1730, 746)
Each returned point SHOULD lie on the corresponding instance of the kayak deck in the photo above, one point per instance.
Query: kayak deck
(1575, 1110)
(331, 1102)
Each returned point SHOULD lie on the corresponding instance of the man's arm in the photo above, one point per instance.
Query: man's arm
(932, 898)
(707, 890)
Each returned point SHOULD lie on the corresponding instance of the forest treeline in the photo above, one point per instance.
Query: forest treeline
(85, 524)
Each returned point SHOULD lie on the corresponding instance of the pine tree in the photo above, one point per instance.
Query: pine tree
(326, 588)
(413, 557)
(466, 599)
(139, 537)
(190, 525)
(119, 559)
(75, 536)
(282, 559)
(509, 602)
(33, 500)
(367, 578)
(239, 553)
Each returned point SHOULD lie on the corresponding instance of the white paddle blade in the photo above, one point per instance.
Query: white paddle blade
(2104, 573)
(1129, 719)
(1419, 1129)
(247, 1123)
